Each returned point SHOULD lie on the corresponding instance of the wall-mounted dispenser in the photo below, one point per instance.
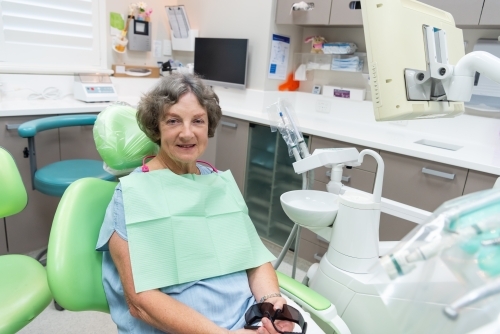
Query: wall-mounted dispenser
(139, 36)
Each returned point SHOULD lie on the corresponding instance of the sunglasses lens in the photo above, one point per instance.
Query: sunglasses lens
(253, 314)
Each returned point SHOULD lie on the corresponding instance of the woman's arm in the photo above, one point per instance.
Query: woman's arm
(154, 307)
(263, 281)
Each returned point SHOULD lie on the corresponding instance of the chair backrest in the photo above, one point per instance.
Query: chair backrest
(13, 196)
(74, 269)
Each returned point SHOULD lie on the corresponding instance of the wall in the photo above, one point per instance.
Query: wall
(217, 18)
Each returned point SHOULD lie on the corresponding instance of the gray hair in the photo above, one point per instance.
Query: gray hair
(152, 107)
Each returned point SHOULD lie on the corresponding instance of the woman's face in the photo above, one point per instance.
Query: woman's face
(184, 130)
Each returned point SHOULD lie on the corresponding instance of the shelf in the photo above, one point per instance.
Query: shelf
(355, 62)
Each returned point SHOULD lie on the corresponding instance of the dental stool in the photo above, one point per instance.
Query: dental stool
(24, 292)
(54, 178)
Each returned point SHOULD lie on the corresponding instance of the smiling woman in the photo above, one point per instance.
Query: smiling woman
(181, 254)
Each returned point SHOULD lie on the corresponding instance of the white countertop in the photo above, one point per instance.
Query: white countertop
(347, 121)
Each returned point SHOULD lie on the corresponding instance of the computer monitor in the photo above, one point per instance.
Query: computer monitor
(396, 45)
(221, 61)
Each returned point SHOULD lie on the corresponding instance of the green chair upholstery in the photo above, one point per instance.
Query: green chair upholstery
(74, 267)
(24, 292)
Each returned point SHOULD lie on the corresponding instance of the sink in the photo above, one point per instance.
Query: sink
(310, 207)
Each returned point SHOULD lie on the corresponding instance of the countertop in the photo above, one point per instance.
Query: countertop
(347, 121)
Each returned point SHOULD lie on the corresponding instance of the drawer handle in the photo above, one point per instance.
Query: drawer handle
(344, 178)
(355, 5)
(12, 126)
(302, 6)
(229, 125)
(438, 173)
(317, 256)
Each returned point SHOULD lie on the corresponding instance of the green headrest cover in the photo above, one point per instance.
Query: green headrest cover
(13, 197)
(118, 139)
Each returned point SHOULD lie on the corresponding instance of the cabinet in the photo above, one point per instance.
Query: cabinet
(232, 147)
(269, 174)
(29, 230)
(420, 183)
(346, 13)
(491, 13)
(477, 181)
(3, 237)
(464, 12)
(320, 15)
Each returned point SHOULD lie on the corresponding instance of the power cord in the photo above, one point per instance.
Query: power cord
(49, 93)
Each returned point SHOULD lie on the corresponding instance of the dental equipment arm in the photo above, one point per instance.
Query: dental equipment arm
(472, 297)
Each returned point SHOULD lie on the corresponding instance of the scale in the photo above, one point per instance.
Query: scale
(94, 88)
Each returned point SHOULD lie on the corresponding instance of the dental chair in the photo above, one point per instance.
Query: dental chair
(24, 292)
(54, 178)
(74, 267)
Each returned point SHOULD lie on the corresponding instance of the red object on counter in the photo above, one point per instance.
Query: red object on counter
(289, 84)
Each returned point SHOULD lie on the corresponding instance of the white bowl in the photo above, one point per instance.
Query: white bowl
(310, 207)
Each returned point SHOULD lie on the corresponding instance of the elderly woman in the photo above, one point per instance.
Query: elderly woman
(179, 114)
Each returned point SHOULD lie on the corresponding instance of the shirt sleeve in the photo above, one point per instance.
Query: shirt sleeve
(114, 221)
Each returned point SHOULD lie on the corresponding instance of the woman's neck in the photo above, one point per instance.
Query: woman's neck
(163, 161)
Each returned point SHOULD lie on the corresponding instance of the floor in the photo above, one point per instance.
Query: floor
(67, 322)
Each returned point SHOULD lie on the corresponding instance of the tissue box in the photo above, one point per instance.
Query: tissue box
(345, 93)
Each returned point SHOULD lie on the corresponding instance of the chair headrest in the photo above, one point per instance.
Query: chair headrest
(119, 140)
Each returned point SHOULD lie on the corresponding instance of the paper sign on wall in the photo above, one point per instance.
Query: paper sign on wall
(278, 62)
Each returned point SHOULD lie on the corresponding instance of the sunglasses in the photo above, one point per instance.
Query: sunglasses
(258, 311)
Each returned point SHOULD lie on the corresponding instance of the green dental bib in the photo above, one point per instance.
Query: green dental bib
(183, 228)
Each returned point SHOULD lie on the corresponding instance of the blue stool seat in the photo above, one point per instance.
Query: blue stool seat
(53, 179)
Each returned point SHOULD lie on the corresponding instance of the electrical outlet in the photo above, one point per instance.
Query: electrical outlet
(323, 106)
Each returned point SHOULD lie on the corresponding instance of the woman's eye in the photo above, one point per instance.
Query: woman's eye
(171, 121)
(199, 121)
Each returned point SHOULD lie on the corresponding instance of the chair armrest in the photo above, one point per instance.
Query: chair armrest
(31, 128)
(312, 302)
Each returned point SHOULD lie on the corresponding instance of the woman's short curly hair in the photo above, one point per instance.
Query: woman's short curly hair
(153, 106)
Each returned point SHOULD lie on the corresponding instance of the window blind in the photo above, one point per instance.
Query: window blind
(53, 33)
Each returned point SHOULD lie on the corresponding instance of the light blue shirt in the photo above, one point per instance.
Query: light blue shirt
(223, 299)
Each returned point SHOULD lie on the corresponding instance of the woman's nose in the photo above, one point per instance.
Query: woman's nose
(187, 131)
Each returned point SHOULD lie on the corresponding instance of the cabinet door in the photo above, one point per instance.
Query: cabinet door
(3, 237)
(464, 12)
(346, 12)
(477, 181)
(319, 15)
(77, 142)
(232, 148)
(29, 230)
(405, 181)
(393, 228)
(491, 13)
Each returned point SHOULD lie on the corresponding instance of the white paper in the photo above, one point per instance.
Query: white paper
(278, 62)
(157, 48)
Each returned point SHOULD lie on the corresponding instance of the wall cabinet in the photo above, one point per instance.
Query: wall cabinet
(348, 13)
(491, 13)
(464, 12)
(320, 15)
(232, 146)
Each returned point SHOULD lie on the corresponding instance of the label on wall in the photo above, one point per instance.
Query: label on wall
(278, 61)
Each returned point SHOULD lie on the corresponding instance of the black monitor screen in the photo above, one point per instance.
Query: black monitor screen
(221, 61)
